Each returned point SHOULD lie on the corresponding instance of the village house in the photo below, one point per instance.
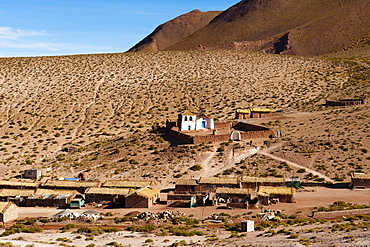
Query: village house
(268, 195)
(360, 180)
(105, 195)
(33, 173)
(15, 195)
(234, 197)
(210, 184)
(133, 184)
(253, 113)
(8, 211)
(187, 185)
(51, 198)
(255, 182)
(142, 198)
(18, 185)
(80, 186)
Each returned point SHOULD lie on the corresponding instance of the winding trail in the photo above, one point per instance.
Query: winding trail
(267, 153)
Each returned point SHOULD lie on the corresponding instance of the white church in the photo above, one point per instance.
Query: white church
(190, 121)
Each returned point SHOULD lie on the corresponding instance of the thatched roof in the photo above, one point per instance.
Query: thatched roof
(55, 192)
(146, 192)
(246, 179)
(243, 111)
(128, 183)
(108, 191)
(187, 113)
(358, 175)
(216, 180)
(261, 110)
(235, 191)
(19, 183)
(15, 192)
(72, 184)
(186, 182)
(269, 190)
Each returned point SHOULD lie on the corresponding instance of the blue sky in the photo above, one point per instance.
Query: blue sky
(66, 27)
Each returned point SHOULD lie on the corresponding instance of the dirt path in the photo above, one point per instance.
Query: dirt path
(268, 154)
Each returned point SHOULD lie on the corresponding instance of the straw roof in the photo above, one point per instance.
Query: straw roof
(128, 183)
(246, 179)
(358, 175)
(15, 192)
(146, 192)
(187, 112)
(19, 183)
(261, 110)
(186, 182)
(108, 191)
(243, 111)
(235, 191)
(72, 184)
(216, 180)
(268, 191)
(55, 192)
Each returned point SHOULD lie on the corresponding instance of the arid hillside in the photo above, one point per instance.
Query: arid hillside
(95, 112)
(304, 27)
(173, 31)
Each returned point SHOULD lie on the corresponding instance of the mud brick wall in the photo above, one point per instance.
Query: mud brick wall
(339, 214)
(256, 134)
(223, 125)
(211, 138)
(181, 137)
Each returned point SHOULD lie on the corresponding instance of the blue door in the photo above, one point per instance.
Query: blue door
(203, 124)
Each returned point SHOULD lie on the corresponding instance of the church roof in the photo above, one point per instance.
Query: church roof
(187, 112)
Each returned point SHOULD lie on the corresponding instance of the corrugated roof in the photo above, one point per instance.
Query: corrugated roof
(244, 111)
(269, 190)
(74, 184)
(108, 191)
(358, 175)
(15, 192)
(146, 192)
(186, 182)
(128, 183)
(216, 180)
(236, 191)
(246, 179)
(19, 183)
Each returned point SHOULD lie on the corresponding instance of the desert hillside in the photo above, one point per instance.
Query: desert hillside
(173, 31)
(304, 27)
(95, 112)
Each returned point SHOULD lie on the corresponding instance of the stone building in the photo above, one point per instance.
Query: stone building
(105, 195)
(33, 173)
(8, 211)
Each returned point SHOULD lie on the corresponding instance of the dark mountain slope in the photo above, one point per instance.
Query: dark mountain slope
(174, 30)
(302, 27)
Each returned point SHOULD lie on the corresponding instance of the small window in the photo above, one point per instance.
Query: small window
(190, 118)
(185, 118)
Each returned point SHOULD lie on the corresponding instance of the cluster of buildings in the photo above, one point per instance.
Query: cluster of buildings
(194, 128)
(237, 192)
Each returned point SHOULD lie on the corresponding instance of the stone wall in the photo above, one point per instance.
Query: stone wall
(340, 214)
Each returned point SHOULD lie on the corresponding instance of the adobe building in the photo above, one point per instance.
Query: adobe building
(195, 129)
(142, 198)
(52, 198)
(33, 173)
(15, 195)
(8, 211)
(18, 185)
(210, 184)
(253, 113)
(360, 180)
(105, 195)
(268, 195)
